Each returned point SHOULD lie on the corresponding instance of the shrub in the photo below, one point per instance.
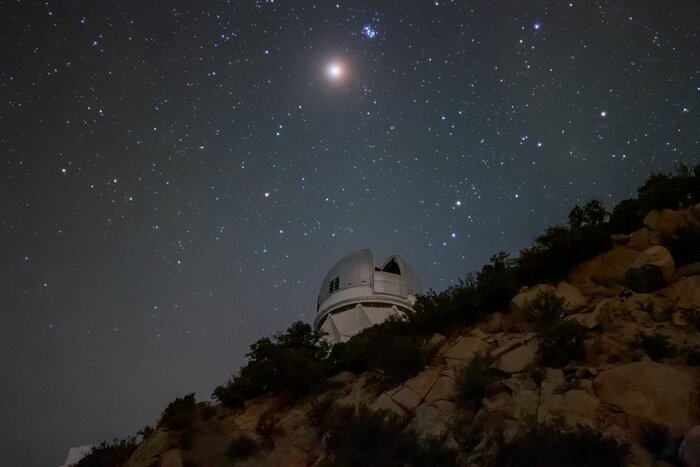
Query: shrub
(476, 380)
(546, 310)
(497, 283)
(179, 414)
(555, 446)
(562, 344)
(241, 447)
(559, 250)
(110, 454)
(656, 346)
(441, 312)
(368, 438)
(319, 409)
(294, 361)
(389, 347)
(562, 340)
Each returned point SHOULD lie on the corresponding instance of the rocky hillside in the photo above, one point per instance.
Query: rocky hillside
(630, 394)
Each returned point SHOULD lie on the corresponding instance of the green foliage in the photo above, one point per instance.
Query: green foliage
(367, 438)
(659, 191)
(562, 340)
(546, 310)
(656, 346)
(592, 213)
(179, 414)
(497, 283)
(562, 344)
(110, 454)
(241, 447)
(559, 250)
(294, 361)
(556, 446)
(476, 380)
(443, 311)
(390, 347)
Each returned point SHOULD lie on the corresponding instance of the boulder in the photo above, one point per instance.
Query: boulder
(526, 295)
(554, 382)
(519, 359)
(436, 340)
(665, 222)
(523, 405)
(343, 377)
(587, 320)
(639, 240)
(651, 392)
(442, 390)
(153, 447)
(689, 452)
(576, 407)
(407, 398)
(571, 295)
(171, 458)
(493, 323)
(385, 402)
(423, 381)
(657, 256)
(686, 293)
(429, 422)
(464, 349)
(692, 269)
(496, 403)
(620, 239)
(600, 276)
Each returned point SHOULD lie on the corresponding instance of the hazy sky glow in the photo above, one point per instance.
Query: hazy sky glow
(178, 176)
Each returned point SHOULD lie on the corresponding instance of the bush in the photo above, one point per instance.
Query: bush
(294, 362)
(110, 454)
(656, 346)
(556, 446)
(562, 339)
(562, 344)
(241, 447)
(476, 380)
(546, 310)
(560, 249)
(497, 283)
(388, 347)
(368, 438)
(179, 414)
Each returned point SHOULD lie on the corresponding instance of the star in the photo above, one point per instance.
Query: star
(335, 71)
(369, 32)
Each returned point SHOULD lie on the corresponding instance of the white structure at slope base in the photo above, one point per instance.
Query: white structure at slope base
(356, 294)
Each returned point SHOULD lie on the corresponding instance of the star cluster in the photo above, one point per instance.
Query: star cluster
(178, 176)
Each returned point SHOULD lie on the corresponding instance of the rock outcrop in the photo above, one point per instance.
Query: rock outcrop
(616, 389)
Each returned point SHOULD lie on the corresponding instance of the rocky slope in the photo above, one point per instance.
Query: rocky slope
(616, 389)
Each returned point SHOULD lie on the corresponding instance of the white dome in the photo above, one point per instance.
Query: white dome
(356, 294)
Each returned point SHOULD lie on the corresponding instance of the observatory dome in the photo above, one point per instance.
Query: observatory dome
(356, 294)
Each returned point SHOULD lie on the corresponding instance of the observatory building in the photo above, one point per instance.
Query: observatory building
(356, 294)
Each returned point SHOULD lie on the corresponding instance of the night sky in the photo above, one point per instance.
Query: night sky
(178, 177)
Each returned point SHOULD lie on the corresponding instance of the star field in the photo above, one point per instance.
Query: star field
(178, 176)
